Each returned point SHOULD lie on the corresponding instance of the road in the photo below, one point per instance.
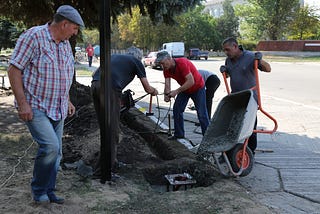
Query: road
(294, 82)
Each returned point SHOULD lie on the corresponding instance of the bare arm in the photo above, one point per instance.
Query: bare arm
(186, 85)
(24, 108)
(167, 89)
(147, 87)
(265, 66)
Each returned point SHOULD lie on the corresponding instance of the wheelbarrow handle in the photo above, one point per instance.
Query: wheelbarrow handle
(226, 82)
(257, 88)
(258, 57)
(223, 70)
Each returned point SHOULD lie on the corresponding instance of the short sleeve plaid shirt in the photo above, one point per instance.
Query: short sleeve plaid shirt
(47, 70)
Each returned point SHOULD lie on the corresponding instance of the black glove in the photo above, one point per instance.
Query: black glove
(223, 68)
(258, 55)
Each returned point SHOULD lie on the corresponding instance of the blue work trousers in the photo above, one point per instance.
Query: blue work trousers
(199, 99)
(48, 134)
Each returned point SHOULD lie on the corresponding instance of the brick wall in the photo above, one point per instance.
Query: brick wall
(297, 45)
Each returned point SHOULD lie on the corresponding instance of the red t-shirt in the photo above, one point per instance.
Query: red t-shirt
(182, 69)
(90, 51)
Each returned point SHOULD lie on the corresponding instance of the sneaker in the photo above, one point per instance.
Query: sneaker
(114, 177)
(42, 199)
(192, 108)
(54, 199)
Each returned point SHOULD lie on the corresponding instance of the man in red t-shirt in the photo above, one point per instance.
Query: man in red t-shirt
(90, 52)
(191, 86)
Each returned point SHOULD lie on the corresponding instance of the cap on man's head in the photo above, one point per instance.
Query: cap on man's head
(162, 55)
(71, 14)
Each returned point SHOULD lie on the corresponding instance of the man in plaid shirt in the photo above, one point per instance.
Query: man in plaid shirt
(40, 72)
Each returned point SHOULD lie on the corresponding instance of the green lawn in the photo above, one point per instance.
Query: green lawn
(83, 71)
(3, 69)
(292, 58)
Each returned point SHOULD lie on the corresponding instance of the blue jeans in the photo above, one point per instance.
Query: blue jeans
(48, 134)
(199, 99)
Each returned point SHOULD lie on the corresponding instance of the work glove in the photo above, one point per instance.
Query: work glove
(258, 55)
(223, 68)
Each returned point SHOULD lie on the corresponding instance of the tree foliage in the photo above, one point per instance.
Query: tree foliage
(194, 28)
(228, 23)
(90, 36)
(198, 29)
(305, 24)
(36, 12)
(9, 33)
(266, 19)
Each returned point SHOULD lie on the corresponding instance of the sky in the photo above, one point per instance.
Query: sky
(313, 3)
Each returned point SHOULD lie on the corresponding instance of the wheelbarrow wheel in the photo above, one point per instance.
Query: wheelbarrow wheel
(236, 156)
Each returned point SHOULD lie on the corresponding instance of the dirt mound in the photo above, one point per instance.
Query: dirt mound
(139, 144)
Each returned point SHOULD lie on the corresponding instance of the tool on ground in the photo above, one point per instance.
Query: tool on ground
(150, 107)
(178, 180)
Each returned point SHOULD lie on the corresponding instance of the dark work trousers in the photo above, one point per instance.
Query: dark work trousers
(90, 60)
(212, 84)
(115, 112)
(252, 143)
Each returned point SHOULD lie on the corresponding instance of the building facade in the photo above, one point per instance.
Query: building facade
(215, 9)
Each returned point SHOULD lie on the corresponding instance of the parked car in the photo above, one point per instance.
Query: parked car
(96, 50)
(204, 54)
(150, 59)
(195, 53)
(77, 49)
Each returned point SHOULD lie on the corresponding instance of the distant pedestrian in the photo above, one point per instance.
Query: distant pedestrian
(240, 67)
(41, 73)
(90, 53)
(191, 86)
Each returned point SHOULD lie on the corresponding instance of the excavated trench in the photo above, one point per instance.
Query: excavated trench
(140, 147)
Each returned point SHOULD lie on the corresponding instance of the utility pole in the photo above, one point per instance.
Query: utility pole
(105, 92)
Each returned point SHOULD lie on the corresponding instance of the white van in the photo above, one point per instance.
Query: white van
(175, 49)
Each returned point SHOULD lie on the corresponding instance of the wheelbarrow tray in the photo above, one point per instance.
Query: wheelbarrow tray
(232, 122)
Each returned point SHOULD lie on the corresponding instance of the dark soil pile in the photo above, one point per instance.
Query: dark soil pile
(139, 146)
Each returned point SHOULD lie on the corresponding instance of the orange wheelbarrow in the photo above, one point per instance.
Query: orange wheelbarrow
(231, 126)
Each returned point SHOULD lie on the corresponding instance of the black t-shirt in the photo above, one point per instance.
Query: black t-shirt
(123, 70)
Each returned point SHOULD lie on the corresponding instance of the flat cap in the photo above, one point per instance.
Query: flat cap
(71, 14)
(162, 55)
